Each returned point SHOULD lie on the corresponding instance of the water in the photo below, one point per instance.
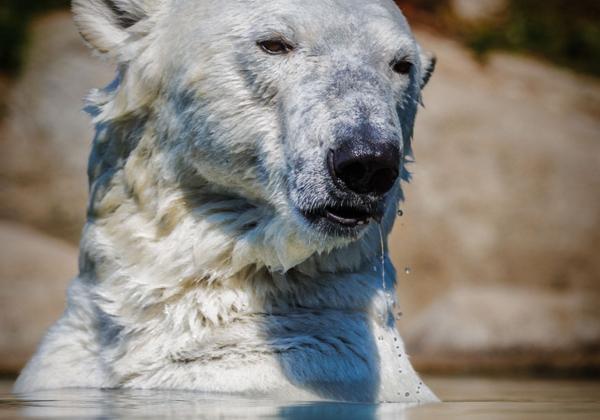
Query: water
(389, 300)
(383, 285)
(464, 398)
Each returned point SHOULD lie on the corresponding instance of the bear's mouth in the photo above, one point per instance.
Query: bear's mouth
(343, 216)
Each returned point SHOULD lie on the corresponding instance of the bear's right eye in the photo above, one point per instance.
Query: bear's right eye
(402, 66)
(275, 46)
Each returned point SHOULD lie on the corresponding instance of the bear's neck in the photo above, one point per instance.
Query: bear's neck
(151, 251)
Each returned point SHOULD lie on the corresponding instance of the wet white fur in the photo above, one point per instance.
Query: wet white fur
(195, 272)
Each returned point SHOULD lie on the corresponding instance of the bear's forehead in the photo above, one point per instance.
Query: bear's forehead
(307, 17)
(330, 10)
(371, 29)
(323, 15)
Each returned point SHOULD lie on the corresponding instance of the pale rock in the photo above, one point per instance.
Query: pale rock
(34, 273)
(45, 136)
(473, 10)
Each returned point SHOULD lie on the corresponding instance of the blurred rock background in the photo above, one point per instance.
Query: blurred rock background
(501, 228)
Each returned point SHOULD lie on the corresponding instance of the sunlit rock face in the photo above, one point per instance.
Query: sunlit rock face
(505, 200)
(35, 270)
(473, 10)
(44, 134)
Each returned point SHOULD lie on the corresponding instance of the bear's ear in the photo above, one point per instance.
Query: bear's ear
(428, 61)
(103, 24)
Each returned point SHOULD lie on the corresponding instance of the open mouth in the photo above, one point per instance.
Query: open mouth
(343, 216)
(347, 216)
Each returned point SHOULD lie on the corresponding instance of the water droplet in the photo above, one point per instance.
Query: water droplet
(395, 338)
(399, 370)
(399, 354)
(380, 338)
(407, 394)
(407, 270)
(374, 268)
(400, 213)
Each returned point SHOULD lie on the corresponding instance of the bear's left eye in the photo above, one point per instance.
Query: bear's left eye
(275, 46)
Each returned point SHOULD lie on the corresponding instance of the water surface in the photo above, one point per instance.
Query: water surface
(464, 398)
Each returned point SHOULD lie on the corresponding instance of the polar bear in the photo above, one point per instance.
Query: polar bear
(244, 176)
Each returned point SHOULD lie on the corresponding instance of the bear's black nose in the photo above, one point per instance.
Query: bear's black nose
(365, 167)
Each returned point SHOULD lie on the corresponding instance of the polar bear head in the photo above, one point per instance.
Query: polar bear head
(301, 113)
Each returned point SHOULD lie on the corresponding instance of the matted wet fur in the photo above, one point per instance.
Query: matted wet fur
(210, 260)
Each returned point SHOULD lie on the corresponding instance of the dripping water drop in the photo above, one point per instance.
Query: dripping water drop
(407, 270)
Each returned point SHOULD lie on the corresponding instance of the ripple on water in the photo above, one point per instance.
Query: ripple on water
(466, 397)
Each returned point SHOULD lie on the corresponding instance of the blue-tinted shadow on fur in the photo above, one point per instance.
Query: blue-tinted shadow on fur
(329, 352)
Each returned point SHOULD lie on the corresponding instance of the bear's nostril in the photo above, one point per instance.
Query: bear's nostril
(353, 171)
(365, 168)
(382, 180)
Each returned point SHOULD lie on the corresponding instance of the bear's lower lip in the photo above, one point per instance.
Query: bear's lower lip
(346, 220)
(347, 217)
